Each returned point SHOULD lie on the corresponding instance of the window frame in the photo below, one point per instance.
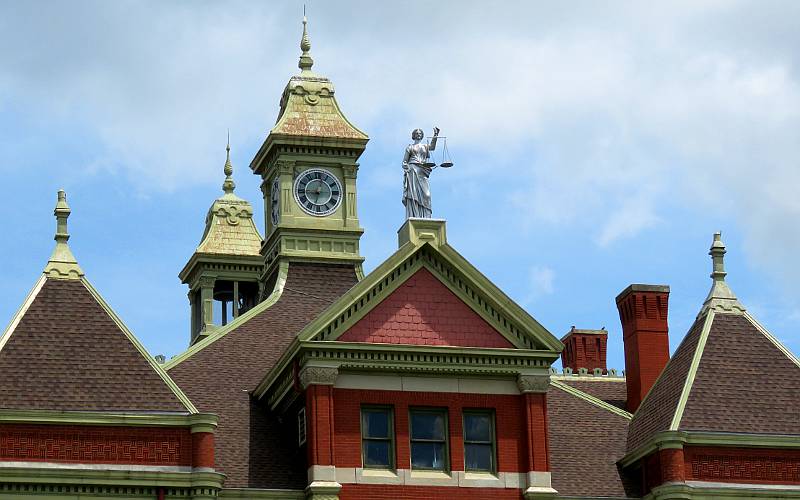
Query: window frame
(436, 410)
(493, 429)
(391, 439)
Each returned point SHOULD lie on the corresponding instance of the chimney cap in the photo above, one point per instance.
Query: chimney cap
(582, 331)
(639, 287)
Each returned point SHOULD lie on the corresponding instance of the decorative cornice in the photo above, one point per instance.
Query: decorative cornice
(678, 439)
(203, 483)
(533, 383)
(317, 375)
(199, 422)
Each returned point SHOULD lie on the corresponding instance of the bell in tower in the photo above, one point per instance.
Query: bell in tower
(223, 273)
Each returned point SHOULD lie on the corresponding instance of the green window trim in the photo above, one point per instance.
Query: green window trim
(444, 441)
(389, 438)
(490, 442)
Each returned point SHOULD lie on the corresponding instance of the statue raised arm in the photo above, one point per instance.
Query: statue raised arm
(417, 169)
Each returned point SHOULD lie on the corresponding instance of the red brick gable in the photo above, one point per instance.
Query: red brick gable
(423, 311)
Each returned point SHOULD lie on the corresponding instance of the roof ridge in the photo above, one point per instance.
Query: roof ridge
(591, 399)
(173, 387)
(777, 343)
(689, 382)
(12, 325)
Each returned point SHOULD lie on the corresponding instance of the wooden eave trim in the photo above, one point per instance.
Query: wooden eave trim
(679, 439)
(199, 258)
(255, 494)
(142, 350)
(199, 422)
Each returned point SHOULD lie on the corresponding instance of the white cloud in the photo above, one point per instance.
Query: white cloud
(541, 282)
(597, 112)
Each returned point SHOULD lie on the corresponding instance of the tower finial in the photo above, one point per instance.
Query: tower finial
(228, 186)
(717, 253)
(306, 62)
(720, 298)
(62, 264)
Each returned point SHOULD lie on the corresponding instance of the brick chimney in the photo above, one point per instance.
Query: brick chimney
(584, 349)
(643, 313)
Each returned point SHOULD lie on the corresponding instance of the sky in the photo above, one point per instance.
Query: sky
(595, 144)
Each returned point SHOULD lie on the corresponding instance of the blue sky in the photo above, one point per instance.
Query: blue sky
(595, 146)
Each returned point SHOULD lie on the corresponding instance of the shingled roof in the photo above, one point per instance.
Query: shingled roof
(67, 350)
(219, 372)
(726, 354)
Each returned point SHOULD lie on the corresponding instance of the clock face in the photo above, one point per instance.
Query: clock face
(318, 192)
(276, 202)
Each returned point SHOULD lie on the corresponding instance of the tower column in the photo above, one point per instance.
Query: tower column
(207, 302)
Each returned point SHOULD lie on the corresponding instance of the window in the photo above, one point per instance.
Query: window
(301, 427)
(429, 439)
(377, 438)
(479, 439)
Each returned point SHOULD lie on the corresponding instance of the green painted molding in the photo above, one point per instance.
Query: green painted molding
(277, 291)
(139, 347)
(679, 439)
(497, 308)
(361, 356)
(12, 325)
(689, 382)
(591, 399)
(194, 479)
(256, 494)
(721, 491)
(199, 422)
(773, 339)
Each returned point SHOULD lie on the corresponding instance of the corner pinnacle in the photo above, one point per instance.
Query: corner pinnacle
(306, 62)
(62, 264)
(720, 298)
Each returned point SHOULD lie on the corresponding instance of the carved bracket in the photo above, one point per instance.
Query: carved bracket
(317, 375)
(533, 383)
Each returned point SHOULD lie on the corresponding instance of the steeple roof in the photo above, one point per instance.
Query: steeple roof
(230, 229)
(729, 374)
(67, 350)
(309, 109)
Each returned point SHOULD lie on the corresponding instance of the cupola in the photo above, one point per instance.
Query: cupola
(223, 273)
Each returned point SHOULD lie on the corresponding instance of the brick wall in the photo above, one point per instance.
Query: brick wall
(96, 444)
(423, 311)
(742, 465)
(510, 415)
(385, 492)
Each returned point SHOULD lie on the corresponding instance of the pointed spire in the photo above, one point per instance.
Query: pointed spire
(228, 186)
(62, 264)
(305, 45)
(720, 298)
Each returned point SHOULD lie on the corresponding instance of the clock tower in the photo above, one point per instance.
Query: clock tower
(308, 165)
